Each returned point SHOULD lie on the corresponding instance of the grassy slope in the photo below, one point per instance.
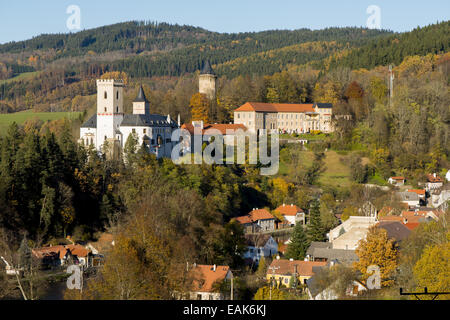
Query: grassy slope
(20, 117)
(336, 174)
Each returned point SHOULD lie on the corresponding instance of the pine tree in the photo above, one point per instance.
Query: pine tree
(24, 254)
(299, 243)
(315, 230)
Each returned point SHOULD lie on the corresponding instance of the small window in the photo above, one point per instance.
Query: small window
(106, 95)
(145, 131)
(117, 95)
(117, 109)
(105, 109)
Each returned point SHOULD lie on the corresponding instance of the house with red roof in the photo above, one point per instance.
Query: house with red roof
(397, 181)
(258, 220)
(292, 213)
(433, 182)
(206, 280)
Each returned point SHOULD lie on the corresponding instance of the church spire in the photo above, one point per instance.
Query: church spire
(140, 96)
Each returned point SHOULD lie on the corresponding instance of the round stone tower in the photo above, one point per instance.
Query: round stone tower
(207, 81)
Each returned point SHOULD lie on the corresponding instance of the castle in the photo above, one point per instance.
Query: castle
(108, 130)
(285, 117)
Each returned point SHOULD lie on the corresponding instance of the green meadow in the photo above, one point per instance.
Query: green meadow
(20, 117)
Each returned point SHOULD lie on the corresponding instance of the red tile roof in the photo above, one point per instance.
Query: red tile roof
(412, 225)
(288, 210)
(205, 276)
(276, 107)
(222, 127)
(286, 267)
(432, 178)
(398, 178)
(255, 215)
(418, 191)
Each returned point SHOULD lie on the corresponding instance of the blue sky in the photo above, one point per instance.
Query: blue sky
(20, 19)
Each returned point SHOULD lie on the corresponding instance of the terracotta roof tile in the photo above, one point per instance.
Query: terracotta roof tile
(286, 267)
(205, 277)
(288, 210)
(276, 107)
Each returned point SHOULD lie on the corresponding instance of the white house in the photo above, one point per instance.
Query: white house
(315, 293)
(260, 245)
(110, 127)
(347, 235)
(410, 198)
(397, 181)
(292, 213)
(433, 182)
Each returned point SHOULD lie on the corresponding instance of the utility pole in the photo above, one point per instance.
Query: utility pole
(391, 85)
(232, 277)
(271, 280)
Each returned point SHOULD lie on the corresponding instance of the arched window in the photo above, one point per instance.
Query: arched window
(106, 95)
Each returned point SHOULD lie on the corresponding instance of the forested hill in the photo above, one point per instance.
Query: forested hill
(139, 36)
(394, 48)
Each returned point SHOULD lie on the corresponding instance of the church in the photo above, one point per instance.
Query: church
(108, 130)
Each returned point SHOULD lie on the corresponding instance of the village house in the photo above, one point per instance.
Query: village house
(258, 220)
(433, 182)
(258, 246)
(207, 131)
(292, 213)
(411, 199)
(62, 255)
(439, 197)
(281, 271)
(314, 291)
(397, 181)
(324, 251)
(395, 230)
(206, 279)
(347, 235)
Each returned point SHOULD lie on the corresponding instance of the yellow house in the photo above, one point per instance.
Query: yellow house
(281, 271)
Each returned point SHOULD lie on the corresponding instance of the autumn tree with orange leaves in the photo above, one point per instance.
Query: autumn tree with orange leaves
(199, 105)
(377, 249)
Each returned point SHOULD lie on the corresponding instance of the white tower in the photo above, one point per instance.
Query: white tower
(109, 109)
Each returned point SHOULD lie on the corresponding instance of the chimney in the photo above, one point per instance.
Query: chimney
(214, 268)
(278, 257)
(434, 174)
(291, 259)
